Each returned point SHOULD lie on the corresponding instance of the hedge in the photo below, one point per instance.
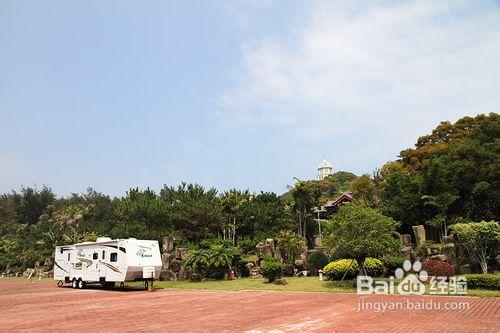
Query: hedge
(483, 281)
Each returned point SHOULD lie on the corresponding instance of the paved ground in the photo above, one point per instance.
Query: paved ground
(41, 306)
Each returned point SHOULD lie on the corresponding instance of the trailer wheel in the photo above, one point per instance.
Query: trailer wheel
(74, 283)
(60, 283)
(81, 284)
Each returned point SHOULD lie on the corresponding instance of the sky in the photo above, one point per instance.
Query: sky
(231, 94)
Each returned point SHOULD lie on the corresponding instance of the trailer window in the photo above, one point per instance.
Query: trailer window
(95, 256)
(113, 257)
(103, 254)
(69, 254)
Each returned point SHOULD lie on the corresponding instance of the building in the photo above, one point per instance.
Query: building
(324, 169)
(332, 206)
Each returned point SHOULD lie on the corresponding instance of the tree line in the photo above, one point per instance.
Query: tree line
(451, 176)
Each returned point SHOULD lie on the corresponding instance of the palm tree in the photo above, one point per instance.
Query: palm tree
(291, 243)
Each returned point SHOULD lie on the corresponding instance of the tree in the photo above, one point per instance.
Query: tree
(291, 244)
(480, 239)
(364, 189)
(359, 232)
(232, 202)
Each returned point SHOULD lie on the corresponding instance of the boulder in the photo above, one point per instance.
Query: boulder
(289, 270)
(449, 252)
(249, 265)
(181, 253)
(301, 273)
(281, 282)
(264, 250)
(175, 265)
(168, 244)
(318, 241)
(165, 260)
(195, 277)
(301, 265)
(419, 232)
(48, 264)
(207, 280)
(168, 275)
(185, 273)
(406, 239)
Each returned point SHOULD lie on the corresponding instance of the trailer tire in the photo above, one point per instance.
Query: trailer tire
(74, 283)
(60, 283)
(81, 284)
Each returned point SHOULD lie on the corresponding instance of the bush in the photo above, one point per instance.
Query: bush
(373, 267)
(336, 269)
(436, 267)
(272, 269)
(483, 281)
(391, 263)
(317, 261)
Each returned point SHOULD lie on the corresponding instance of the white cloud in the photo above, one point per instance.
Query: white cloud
(374, 70)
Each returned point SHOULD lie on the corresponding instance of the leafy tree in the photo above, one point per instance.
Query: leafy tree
(364, 189)
(292, 245)
(232, 203)
(480, 239)
(360, 231)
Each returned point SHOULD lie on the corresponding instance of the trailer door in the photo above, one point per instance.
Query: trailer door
(102, 267)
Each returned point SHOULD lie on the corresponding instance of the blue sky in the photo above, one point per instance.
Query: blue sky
(245, 94)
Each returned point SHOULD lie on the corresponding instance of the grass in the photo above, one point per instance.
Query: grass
(304, 284)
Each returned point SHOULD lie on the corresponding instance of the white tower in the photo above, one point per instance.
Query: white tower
(324, 169)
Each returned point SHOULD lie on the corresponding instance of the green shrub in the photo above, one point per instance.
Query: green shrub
(336, 269)
(483, 281)
(392, 263)
(271, 269)
(317, 261)
(374, 267)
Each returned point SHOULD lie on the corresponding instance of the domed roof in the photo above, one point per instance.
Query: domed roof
(325, 165)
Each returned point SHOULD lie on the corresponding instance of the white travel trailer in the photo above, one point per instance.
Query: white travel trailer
(107, 261)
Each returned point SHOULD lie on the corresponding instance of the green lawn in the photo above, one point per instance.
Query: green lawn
(306, 284)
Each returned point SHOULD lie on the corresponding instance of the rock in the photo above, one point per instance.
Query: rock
(175, 265)
(449, 239)
(301, 265)
(255, 273)
(185, 273)
(270, 243)
(168, 275)
(181, 253)
(406, 239)
(419, 232)
(289, 270)
(281, 282)
(195, 277)
(249, 265)
(165, 260)
(48, 264)
(229, 275)
(440, 257)
(449, 252)
(168, 244)
(318, 241)
(207, 280)
(301, 273)
(264, 250)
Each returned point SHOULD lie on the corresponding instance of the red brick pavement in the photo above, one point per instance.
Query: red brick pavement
(41, 306)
